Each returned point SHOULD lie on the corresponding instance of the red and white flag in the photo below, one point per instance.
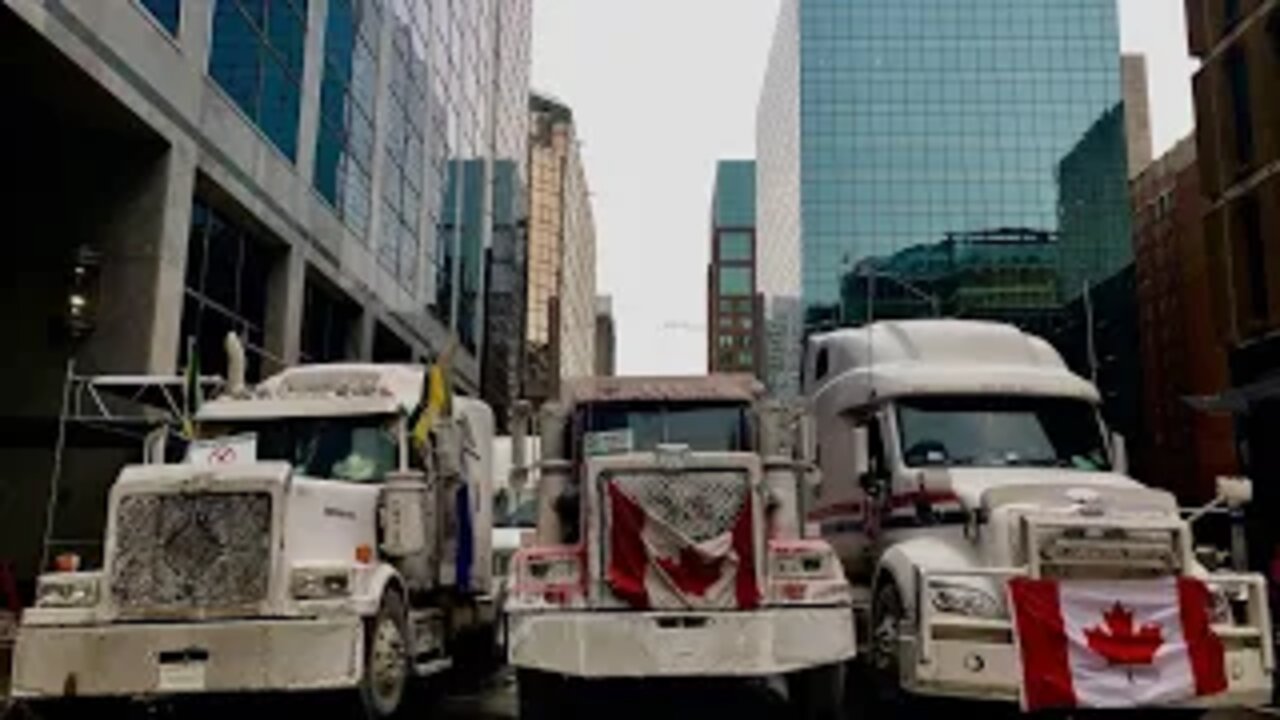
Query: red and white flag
(654, 565)
(1115, 644)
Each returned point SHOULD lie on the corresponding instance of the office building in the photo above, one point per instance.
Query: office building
(606, 338)
(561, 278)
(732, 320)
(919, 157)
(1238, 146)
(319, 178)
(1181, 356)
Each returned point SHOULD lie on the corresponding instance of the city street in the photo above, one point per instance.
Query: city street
(496, 700)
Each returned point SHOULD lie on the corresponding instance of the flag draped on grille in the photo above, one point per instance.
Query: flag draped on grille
(1115, 644)
(653, 564)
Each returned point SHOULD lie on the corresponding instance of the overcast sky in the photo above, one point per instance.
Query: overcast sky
(661, 89)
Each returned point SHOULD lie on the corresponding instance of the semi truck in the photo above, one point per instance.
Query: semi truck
(960, 456)
(306, 542)
(670, 545)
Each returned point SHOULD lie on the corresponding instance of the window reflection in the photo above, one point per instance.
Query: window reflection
(344, 141)
(257, 59)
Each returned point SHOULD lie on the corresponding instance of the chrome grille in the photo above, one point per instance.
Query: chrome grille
(192, 552)
(699, 505)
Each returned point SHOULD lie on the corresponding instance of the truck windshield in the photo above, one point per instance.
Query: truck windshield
(985, 431)
(643, 426)
(354, 449)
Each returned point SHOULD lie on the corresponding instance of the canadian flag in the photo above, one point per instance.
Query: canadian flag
(1115, 644)
(654, 565)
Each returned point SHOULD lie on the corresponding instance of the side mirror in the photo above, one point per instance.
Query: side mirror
(1119, 454)
(861, 453)
(1235, 492)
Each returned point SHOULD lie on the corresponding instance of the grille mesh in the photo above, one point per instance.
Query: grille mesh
(192, 552)
(701, 505)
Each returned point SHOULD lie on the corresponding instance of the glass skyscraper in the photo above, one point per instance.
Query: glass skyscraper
(954, 157)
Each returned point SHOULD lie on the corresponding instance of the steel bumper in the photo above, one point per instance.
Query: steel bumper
(651, 644)
(993, 671)
(187, 659)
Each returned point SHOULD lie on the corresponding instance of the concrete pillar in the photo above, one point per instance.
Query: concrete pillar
(366, 326)
(195, 35)
(143, 244)
(286, 291)
(312, 74)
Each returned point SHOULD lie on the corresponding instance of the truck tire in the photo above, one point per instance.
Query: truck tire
(385, 684)
(888, 615)
(541, 696)
(817, 693)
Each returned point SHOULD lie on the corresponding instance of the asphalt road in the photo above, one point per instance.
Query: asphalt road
(496, 700)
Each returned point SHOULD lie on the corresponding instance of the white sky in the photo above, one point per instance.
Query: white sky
(662, 89)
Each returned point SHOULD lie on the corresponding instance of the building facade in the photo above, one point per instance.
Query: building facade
(606, 338)
(733, 328)
(321, 177)
(561, 278)
(1181, 355)
(1238, 145)
(1137, 112)
(919, 157)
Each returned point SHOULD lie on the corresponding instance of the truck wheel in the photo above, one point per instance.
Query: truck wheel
(541, 696)
(386, 667)
(888, 615)
(817, 693)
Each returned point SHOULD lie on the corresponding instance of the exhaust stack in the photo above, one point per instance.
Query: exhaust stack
(235, 364)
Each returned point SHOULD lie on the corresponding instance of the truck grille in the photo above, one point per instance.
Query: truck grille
(698, 505)
(681, 540)
(1107, 553)
(192, 553)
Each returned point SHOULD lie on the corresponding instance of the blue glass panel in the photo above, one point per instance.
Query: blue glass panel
(234, 58)
(167, 12)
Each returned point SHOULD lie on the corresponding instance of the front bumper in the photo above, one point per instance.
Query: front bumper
(992, 670)
(187, 659)
(671, 644)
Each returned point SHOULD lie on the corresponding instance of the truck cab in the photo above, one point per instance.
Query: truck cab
(670, 544)
(960, 455)
(306, 542)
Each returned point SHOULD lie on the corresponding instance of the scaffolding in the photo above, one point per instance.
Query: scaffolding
(125, 411)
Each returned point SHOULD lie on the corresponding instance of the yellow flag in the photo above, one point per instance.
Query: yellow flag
(438, 396)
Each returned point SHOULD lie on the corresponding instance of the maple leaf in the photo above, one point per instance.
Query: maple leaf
(1120, 643)
(692, 572)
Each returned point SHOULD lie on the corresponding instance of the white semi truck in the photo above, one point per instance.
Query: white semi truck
(958, 455)
(306, 544)
(671, 544)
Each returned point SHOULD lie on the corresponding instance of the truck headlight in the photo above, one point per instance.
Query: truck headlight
(955, 599)
(1226, 603)
(802, 561)
(67, 590)
(314, 583)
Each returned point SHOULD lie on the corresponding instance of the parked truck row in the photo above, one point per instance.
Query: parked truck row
(943, 493)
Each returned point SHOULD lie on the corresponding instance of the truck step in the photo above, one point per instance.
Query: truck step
(432, 667)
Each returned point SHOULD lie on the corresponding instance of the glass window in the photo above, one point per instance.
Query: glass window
(1241, 104)
(328, 323)
(735, 280)
(257, 59)
(358, 449)
(735, 246)
(228, 268)
(344, 142)
(991, 431)
(702, 427)
(1255, 258)
(167, 12)
(400, 245)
